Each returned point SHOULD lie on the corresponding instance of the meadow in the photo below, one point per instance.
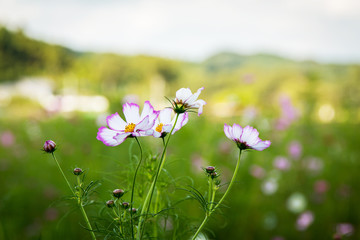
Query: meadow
(305, 186)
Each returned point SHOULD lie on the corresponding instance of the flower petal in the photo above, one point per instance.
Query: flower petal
(250, 136)
(228, 131)
(107, 136)
(131, 112)
(115, 122)
(147, 110)
(165, 115)
(261, 145)
(120, 138)
(167, 128)
(195, 96)
(199, 104)
(236, 132)
(143, 125)
(182, 120)
(183, 94)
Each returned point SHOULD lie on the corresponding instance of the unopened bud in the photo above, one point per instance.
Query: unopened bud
(134, 210)
(118, 193)
(78, 171)
(49, 146)
(213, 175)
(110, 203)
(210, 169)
(337, 237)
(125, 205)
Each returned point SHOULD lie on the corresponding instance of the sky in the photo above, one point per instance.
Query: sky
(322, 30)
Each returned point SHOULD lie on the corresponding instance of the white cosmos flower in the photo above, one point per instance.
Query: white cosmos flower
(245, 138)
(136, 125)
(164, 123)
(186, 100)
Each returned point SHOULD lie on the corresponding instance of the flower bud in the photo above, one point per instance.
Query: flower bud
(78, 171)
(210, 169)
(213, 175)
(118, 193)
(125, 205)
(110, 203)
(337, 237)
(49, 146)
(134, 210)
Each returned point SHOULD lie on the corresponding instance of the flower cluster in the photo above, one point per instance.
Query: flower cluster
(150, 122)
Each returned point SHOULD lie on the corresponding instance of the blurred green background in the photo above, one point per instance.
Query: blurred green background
(305, 186)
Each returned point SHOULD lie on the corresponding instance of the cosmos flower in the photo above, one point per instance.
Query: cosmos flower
(344, 229)
(136, 125)
(245, 138)
(304, 220)
(282, 163)
(185, 100)
(163, 124)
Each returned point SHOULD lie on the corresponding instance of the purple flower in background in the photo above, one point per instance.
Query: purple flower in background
(295, 149)
(321, 186)
(7, 139)
(304, 220)
(257, 171)
(344, 229)
(282, 163)
(288, 113)
(136, 125)
(245, 138)
(314, 164)
(185, 100)
(163, 124)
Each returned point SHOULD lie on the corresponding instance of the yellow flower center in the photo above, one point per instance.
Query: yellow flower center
(159, 127)
(130, 127)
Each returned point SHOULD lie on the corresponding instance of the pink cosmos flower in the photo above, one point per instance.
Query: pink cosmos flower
(245, 138)
(282, 163)
(136, 125)
(295, 149)
(304, 220)
(186, 100)
(344, 229)
(163, 124)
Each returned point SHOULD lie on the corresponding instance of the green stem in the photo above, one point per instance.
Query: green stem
(221, 200)
(57, 163)
(211, 189)
(80, 202)
(201, 226)
(147, 202)
(133, 187)
(212, 195)
(87, 221)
